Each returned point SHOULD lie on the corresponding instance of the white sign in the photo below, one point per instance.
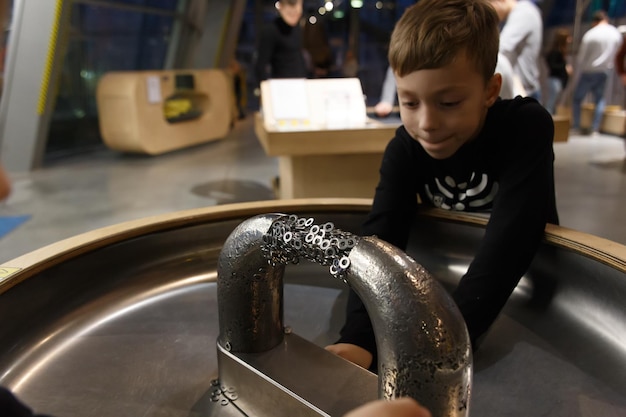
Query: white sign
(325, 103)
(153, 86)
(289, 99)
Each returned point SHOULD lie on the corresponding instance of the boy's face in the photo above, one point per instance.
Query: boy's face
(291, 14)
(444, 108)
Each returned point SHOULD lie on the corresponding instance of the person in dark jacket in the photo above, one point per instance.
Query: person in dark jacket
(460, 148)
(280, 53)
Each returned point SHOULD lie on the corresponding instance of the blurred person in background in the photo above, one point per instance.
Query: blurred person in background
(558, 68)
(594, 64)
(388, 95)
(520, 44)
(281, 52)
(350, 66)
(511, 86)
(317, 46)
(239, 87)
(620, 61)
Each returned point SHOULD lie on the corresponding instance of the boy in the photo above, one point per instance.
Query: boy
(460, 148)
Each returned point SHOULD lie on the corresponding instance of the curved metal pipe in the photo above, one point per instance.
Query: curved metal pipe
(249, 290)
(423, 346)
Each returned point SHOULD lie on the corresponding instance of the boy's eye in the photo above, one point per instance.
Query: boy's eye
(409, 104)
(450, 103)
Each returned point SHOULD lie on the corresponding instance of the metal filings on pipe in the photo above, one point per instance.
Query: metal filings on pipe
(423, 345)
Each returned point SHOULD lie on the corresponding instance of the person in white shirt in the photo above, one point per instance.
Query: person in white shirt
(520, 43)
(595, 62)
(511, 88)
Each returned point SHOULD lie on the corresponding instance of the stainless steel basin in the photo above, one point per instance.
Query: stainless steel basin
(122, 321)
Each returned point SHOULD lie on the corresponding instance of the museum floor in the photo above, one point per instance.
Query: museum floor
(78, 194)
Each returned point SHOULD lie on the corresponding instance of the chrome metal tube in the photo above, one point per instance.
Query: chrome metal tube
(423, 346)
(249, 290)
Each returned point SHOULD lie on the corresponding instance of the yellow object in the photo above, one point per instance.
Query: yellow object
(52, 48)
(176, 107)
(145, 112)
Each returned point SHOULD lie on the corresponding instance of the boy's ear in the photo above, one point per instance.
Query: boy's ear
(493, 89)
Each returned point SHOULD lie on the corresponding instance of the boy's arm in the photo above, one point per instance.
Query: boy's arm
(524, 203)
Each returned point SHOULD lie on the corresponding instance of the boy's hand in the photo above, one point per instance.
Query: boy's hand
(402, 407)
(353, 353)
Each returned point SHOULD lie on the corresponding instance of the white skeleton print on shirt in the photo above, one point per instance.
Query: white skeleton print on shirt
(473, 195)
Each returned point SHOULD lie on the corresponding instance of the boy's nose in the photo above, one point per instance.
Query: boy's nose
(427, 119)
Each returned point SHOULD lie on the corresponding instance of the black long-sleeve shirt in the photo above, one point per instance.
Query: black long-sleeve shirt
(280, 53)
(506, 170)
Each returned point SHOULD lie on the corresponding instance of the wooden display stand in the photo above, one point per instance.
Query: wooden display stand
(321, 159)
(613, 120)
(154, 112)
(561, 128)
(318, 160)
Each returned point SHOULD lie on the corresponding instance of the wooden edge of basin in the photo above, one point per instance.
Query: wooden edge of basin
(602, 250)
(18, 269)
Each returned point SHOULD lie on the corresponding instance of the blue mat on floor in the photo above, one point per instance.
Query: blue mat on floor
(9, 223)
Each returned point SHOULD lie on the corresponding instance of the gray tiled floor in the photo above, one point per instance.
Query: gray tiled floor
(88, 192)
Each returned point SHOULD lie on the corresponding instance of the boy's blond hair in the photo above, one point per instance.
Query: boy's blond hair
(431, 33)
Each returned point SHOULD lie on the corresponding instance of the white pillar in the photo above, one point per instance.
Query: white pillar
(33, 61)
